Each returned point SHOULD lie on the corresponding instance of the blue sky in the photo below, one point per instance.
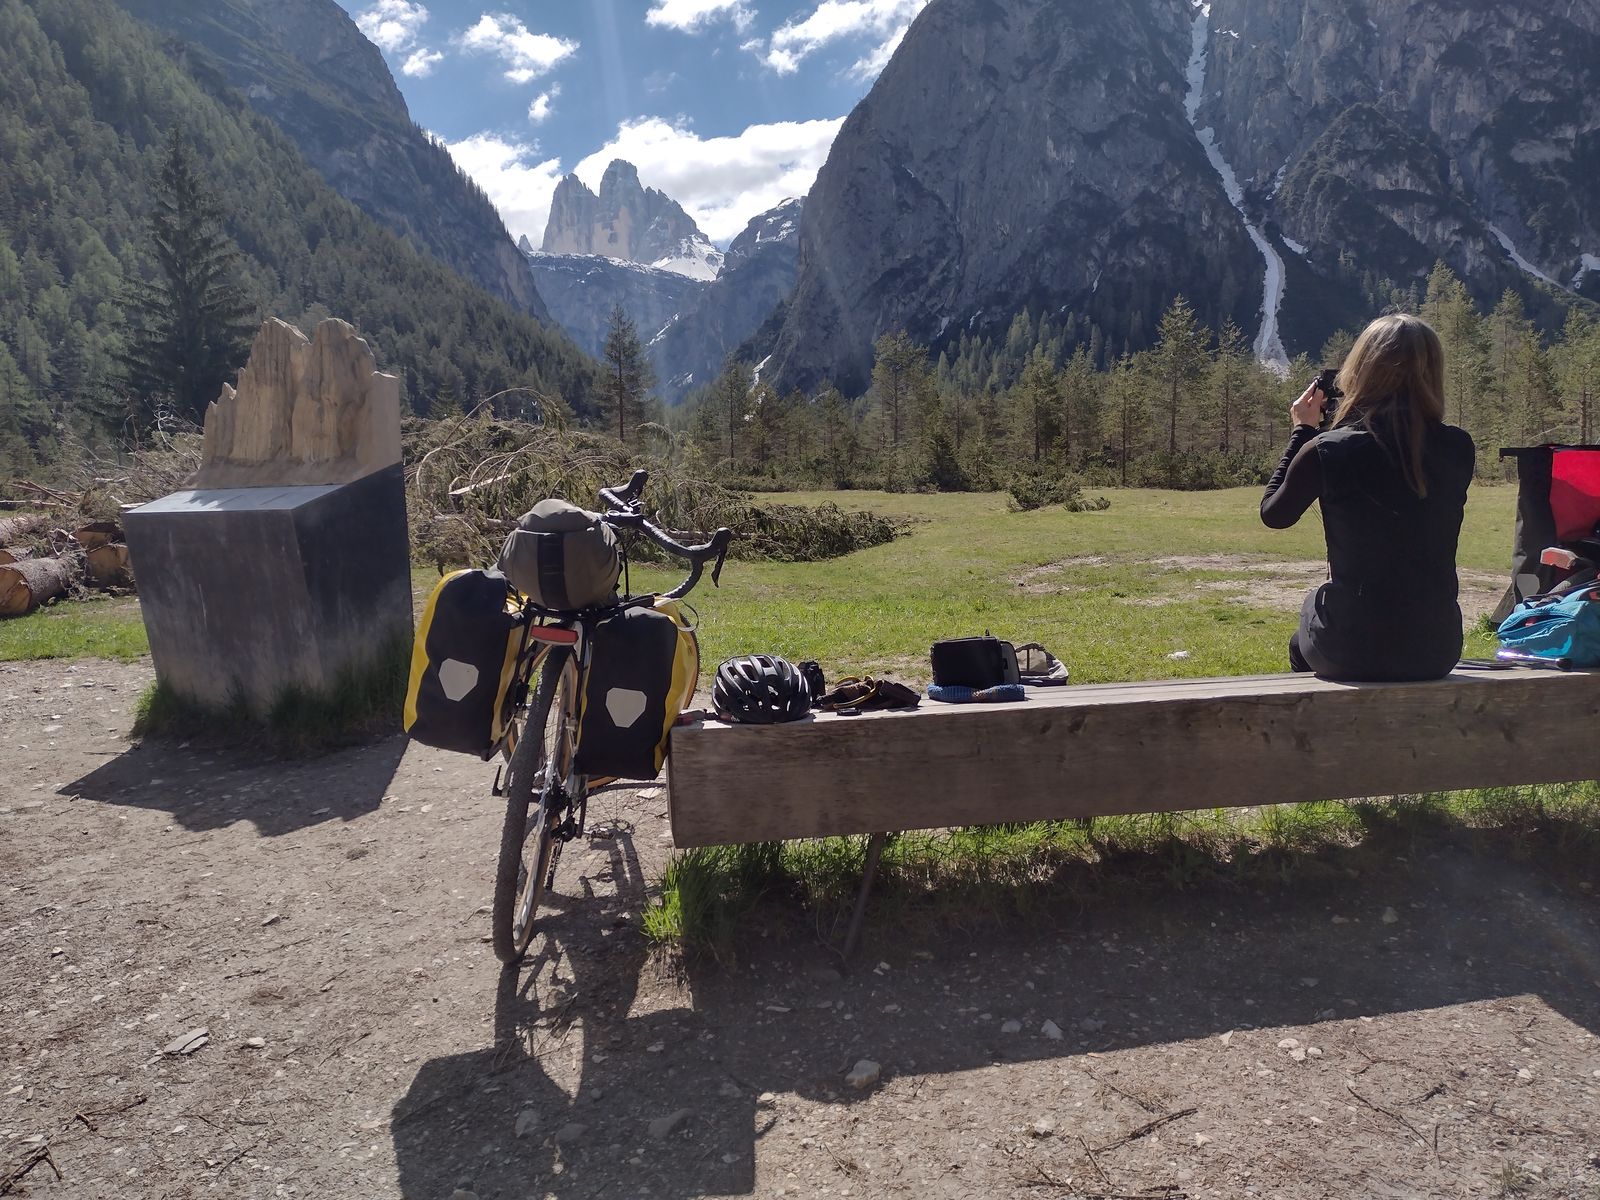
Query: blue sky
(729, 106)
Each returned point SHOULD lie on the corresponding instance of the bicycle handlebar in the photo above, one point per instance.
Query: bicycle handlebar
(625, 504)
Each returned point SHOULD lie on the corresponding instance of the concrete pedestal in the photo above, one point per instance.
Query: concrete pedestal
(254, 590)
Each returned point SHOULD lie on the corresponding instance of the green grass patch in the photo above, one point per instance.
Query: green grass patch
(960, 877)
(1100, 588)
(1162, 585)
(97, 628)
(363, 703)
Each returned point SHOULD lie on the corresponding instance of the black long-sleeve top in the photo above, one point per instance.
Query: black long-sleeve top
(1296, 484)
(1388, 610)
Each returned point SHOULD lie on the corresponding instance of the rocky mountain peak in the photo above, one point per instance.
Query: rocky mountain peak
(1283, 163)
(630, 222)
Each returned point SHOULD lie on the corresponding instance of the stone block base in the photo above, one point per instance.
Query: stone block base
(251, 591)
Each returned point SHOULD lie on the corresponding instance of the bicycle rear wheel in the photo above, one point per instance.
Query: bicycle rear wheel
(536, 800)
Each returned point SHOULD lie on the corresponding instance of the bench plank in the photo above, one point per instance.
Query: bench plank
(1113, 749)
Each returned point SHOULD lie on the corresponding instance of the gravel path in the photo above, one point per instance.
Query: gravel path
(1413, 1020)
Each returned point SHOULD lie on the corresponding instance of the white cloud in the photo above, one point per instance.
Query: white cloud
(692, 15)
(527, 55)
(420, 63)
(392, 25)
(886, 21)
(539, 110)
(518, 183)
(721, 181)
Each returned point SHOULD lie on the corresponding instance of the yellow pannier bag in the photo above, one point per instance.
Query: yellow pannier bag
(464, 663)
(643, 667)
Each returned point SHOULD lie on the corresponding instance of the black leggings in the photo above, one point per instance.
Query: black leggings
(1297, 660)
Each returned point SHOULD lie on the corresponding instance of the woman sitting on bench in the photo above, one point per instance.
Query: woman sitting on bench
(1392, 478)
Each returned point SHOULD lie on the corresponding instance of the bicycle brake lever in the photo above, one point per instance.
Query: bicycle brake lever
(722, 539)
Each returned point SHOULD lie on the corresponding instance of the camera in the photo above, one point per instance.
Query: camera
(1328, 385)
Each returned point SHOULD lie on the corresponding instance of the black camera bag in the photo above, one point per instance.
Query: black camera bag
(974, 662)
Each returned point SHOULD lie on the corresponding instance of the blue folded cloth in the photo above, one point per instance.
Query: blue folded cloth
(955, 694)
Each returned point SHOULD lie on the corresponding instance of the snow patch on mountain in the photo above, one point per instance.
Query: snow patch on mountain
(1505, 241)
(1269, 344)
(692, 257)
(1591, 262)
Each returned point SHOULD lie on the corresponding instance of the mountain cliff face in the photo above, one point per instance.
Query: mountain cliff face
(582, 289)
(1268, 159)
(304, 64)
(688, 325)
(630, 222)
(757, 273)
(1460, 130)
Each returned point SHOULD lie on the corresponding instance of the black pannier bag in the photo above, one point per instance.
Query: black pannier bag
(1558, 504)
(562, 557)
(643, 667)
(974, 662)
(464, 662)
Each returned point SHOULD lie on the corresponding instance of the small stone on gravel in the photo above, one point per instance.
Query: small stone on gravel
(1044, 1127)
(1524, 1074)
(570, 1132)
(1052, 1031)
(665, 1126)
(1390, 917)
(1201, 1139)
(864, 1074)
(1090, 1025)
(1012, 1026)
(189, 1042)
(255, 1043)
(527, 1122)
(1289, 1044)
(463, 1194)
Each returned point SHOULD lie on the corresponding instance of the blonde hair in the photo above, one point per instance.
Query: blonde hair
(1393, 383)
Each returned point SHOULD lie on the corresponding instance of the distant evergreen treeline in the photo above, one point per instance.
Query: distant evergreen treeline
(88, 101)
(1193, 411)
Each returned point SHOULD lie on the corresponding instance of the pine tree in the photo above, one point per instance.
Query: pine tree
(1080, 404)
(901, 383)
(1229, 370)
(1449, 309)
(1577, 369)
(1037, 400)
(189, 325)
(1179, 361)
(729, 404)
(628, 375)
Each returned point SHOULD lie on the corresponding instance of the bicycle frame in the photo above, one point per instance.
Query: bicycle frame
(570, 635)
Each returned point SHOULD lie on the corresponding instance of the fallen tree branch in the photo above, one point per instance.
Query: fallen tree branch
(1388, 1112)
(39, 1154)
(1148, 1128)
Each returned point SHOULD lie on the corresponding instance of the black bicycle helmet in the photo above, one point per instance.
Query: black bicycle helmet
(759, 689)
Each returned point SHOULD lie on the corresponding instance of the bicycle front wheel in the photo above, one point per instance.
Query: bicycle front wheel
(536, 800)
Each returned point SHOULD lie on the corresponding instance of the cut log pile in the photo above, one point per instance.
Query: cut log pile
(41, 563)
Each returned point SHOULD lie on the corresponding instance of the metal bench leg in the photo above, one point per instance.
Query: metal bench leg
(874, 853)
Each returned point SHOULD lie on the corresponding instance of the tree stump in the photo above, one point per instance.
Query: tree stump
(97, 533)
(108, 566)
(27, 584)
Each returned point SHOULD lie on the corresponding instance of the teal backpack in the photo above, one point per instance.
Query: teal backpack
(1557, 626)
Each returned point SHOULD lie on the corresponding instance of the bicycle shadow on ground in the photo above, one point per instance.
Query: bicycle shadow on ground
(204, 788)
(1452, 924)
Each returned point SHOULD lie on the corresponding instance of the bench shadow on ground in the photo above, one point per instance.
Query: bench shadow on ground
(204, 788)
(1113, 972)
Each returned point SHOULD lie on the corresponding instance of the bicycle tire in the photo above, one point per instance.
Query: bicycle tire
(518, 887)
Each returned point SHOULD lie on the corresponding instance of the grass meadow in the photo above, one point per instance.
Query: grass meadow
(1160, 585)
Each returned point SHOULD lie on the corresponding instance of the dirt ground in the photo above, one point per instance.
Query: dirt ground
(1422, 1026)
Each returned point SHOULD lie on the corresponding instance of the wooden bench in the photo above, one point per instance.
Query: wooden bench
(1113, 749)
